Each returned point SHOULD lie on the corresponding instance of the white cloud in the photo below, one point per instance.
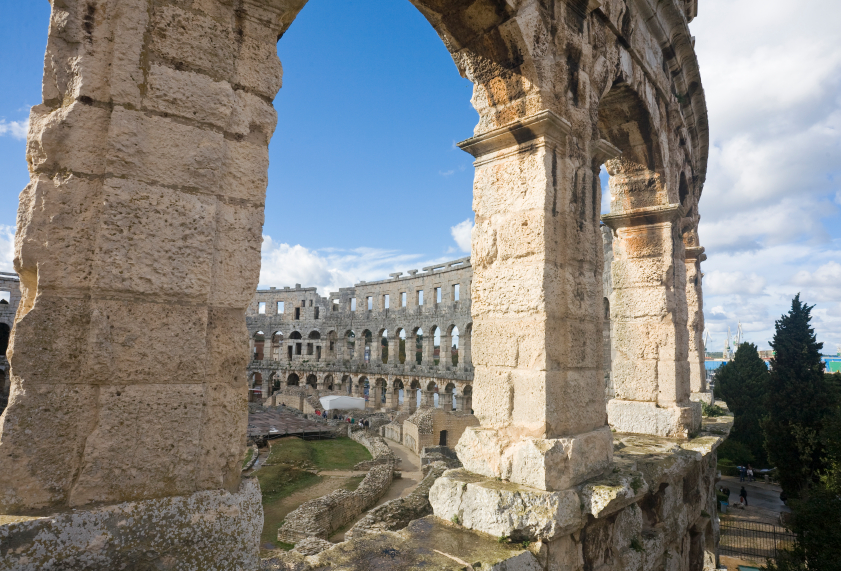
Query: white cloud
(7, 248)
(445, 174)
(770, 205)
(16, 129)
(332, 268)
(462, 233)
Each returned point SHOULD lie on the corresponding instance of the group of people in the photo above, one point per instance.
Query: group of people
(746, 472)
(743, 494)
(362, 422)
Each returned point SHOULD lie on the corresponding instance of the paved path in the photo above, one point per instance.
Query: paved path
(764, 504)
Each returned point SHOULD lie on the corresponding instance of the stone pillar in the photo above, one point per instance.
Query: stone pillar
(695, 322)
(536, 256)
(648, 307)
(459, 400)
(410, 400)
(445, 401)
(428, 398)
(444, 356)
(152, 228)
(393, 349)
(465, 357)
(391, 397)
(428, 348)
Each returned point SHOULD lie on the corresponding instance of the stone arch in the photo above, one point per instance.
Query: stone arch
(295, 335)
(416, 349)
(328, 382)
(382, 336)
(276, 346)
(274, 382)
(400, 336)
(332, 339)
(293, 380)
(347, 384)
(314, 334)
(312, 381)
(350, 344)
(362, 386)
(381, 386)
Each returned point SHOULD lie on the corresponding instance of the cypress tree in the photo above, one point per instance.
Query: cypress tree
(743, 384)
(799, 401)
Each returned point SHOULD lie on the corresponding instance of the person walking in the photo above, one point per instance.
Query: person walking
(750, 474)
(743, 496)
(742, 473)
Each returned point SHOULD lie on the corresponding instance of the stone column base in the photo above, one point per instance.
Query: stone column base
(505, 509)
(205, 530)
(545, 464)
(637, 417)
(706, 397)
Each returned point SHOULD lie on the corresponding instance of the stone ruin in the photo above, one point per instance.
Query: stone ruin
(142, 221)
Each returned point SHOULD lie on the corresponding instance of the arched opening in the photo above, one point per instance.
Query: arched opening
(332, 338)
(277, 343)
(418, 345)
(368, 338)
(467, 398)
(399, 395)
(255, 388)
(453, 350)
(328, 383)
(436, 344)
(293, 380)
(401, 335)
(347, 384)
(381, 392)
(5, 331)
(384, 346)
(274, 383)
(312, 381)
(447, 399)
(314, 335)
(350, 345)
(259, 342)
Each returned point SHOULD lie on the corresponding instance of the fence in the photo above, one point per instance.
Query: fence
(757, 541)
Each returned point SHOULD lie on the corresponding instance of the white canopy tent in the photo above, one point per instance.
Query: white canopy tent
(334, 402)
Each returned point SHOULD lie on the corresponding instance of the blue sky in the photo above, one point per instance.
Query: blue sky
(365, 178)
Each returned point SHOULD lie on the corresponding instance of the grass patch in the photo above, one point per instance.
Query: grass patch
(249, 452)
(278, 482)
(337, 454)
(353, 483)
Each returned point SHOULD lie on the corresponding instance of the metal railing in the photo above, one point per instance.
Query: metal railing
(758, 541)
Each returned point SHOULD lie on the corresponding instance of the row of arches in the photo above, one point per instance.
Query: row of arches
(379, 392)
(437, 346)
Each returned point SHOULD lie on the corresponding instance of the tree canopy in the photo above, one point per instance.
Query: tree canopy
(743, 384)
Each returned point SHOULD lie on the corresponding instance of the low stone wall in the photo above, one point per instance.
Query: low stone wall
(398, 513)
(322, 516)
(380, 452)
(255, 453)
(392, 431)
(212, 530)
(444, 454)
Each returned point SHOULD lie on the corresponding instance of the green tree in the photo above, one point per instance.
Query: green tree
(743, 384)
(799, 401)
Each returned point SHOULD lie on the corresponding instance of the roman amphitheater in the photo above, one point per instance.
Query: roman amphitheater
(567, 346)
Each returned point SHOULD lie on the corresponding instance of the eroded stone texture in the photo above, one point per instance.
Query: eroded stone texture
(206, 530)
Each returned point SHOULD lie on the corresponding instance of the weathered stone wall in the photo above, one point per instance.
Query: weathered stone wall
(212, 530)
(396, 514)
(380, 452)
(323, 516)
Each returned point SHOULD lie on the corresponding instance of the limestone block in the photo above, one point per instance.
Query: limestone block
(498, 343)
(135, 342)
(545, 464)
(155, 241)
(40, 357)
(672, 381)
(227, 350)
(200, 42)
(520, 235)
(161, 425)
(638, 303)
(252, 117)
(209, 530)
(574, 401)
(493, 396)
(44, 428)
(190, 95)
(236, 261)
(161, 151)
(246, 171)
(223, 430)
(641, 272)
(258, 67)
(504, 509)
(704, 397)
(509, 289)
(638, 379)
(649, 418)
(71, 138)
(512, 185)
(58, 219)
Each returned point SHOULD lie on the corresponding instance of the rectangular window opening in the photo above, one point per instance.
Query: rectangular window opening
(385, 301)
(353, 304)
(370, 303)
(420, 297)
(316, 312)
(261, 307)
(297, 313)
(297, 348)
(335, 305)
(438, 295)
(455, 292)
(289, 352)
(280, 308)
(309, 348)
(318, 353)
(303, 303)
(403, 299)
(310, 303)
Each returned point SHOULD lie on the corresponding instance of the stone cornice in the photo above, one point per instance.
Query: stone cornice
(695, 253)
(545, 124)
(603, 150)
(643, 216)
